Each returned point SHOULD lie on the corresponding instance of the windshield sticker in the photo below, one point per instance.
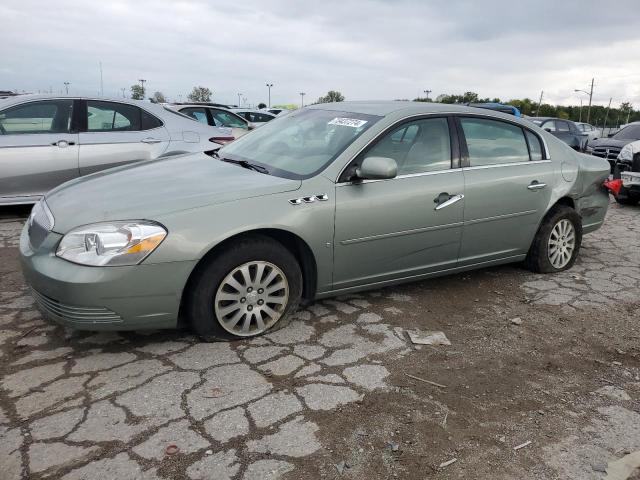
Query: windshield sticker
(347, 122)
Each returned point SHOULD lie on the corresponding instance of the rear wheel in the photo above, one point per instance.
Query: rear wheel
(557, 242)
(248, 289)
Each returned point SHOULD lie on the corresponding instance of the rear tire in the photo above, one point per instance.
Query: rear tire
(557, 242)
(248, 289)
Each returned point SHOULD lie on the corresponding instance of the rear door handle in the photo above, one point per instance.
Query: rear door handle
(535, 185)
(151, 140)
(450, 201)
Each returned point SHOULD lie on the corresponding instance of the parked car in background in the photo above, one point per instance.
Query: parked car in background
(592, 132)
(46, 140)
(328, 200)
(627, 169)
(610, 147)
(256, 117)
(565, 130)
(500, 107)
(217, 117)
(276, 111)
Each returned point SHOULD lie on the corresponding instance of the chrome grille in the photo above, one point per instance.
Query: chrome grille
(609, 153)
(75, 314)
(41, 222)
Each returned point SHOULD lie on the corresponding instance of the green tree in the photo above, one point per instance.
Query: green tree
(137, 92)
(158, 97)
(200, 94)
(331, 96)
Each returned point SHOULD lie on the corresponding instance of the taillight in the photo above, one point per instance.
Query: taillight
(613, 186)
(222, 140)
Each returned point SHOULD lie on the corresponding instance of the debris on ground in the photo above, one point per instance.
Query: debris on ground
(522, 445)
(516, 321)
(171, 449)
(341, 466)
(623, 468)
(599, 467)
(428, 338)
(393, 446)
(426, 381)
(447, 463)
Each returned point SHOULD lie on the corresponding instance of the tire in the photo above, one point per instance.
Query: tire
(624, 198)
(213, 303)
(541, 252)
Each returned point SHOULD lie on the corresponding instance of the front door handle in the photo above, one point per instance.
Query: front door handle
(62, 143)
(150, 140)
(447, 201)
(535, 185)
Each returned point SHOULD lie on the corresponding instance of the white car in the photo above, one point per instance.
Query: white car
(627, 169)
(592, 132)
(46, 140)
(217, 116)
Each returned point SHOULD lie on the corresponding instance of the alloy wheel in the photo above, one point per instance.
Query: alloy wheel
(251, 298)
(562, 243)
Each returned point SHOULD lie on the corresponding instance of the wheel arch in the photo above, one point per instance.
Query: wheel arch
(289, 240)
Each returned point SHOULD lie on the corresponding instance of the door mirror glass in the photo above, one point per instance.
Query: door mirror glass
(377, 168)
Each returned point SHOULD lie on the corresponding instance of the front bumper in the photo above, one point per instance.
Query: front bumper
(103, 298)
(631, 181)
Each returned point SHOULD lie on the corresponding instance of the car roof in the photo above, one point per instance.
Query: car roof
(383, 108)
(236, 109)
(30, 97)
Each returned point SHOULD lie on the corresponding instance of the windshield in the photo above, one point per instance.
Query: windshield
(300, 144)
(632, 132)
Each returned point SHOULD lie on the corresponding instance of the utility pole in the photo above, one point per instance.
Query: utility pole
(142, 80)
(269, 85)
(606, 116)
(239, 96)
(123, 89)
(539, 103)
(66, 86)
(101, 84)
(590, 98)
(580, 116)
(302, 94)
(427, 92)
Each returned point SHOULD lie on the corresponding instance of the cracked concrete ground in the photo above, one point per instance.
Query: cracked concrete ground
(328, 395)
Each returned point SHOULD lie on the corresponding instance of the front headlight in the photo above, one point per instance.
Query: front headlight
(626, 153)
(112, 243)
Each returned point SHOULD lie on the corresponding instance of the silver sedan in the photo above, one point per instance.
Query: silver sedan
(47, 140)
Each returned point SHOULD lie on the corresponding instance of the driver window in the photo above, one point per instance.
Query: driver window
(417, 147)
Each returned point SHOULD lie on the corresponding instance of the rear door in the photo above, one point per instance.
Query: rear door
(508, 183)
(118, 133)
(405, 226)
(38, 149)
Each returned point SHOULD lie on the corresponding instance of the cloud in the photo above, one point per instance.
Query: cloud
(366, 49)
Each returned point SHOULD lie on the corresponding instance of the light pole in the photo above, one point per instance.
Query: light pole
(427, 92)
(123, 89)
(590, 93)
(302, 94)
(142, 80)
(586, 93)
(66, 86)
(539, 102)
(239, 95)
(269, 85)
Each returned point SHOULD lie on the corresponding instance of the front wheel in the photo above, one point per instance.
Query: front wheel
(557, 242)
(248, 289)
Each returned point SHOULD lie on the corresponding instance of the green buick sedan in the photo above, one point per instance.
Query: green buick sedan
(330, 199)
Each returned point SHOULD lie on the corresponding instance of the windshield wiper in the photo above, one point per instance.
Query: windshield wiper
(243, 163)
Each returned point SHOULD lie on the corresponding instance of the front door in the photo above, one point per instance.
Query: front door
(119, 133)
(38, 150)
(508, 184)
(405, 226)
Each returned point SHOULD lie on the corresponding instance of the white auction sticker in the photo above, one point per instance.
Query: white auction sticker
(347, 122)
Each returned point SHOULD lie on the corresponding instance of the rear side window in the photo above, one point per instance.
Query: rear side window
(563, 126)
(49, 116)
(535, 147)
(491, 142)
(112, 117)
(227, 119)
(149, 121)
(197, 113)
(549, 126)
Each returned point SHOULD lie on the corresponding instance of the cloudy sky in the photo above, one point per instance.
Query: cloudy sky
(366, 49)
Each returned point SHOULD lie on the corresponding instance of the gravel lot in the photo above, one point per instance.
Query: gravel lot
(549, 359)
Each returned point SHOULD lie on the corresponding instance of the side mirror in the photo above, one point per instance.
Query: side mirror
(377, 168)
(547, 130)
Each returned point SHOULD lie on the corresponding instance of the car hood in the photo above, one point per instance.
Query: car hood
(156, 187)
(609, 142)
